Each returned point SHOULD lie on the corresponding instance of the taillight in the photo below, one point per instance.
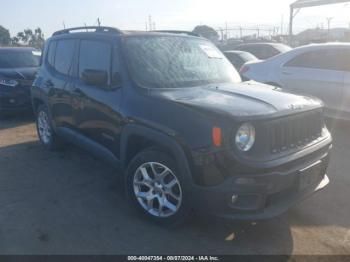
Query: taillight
(244, 70)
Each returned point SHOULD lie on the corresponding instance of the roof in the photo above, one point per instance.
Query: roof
(322, 46)
(310, 3)
(16, 49)
(111, 31)
(235, 52)
(260, 43)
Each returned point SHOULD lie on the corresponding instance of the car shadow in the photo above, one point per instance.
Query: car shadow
(68, 202)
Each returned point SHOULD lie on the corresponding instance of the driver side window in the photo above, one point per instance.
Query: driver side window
(96, 56)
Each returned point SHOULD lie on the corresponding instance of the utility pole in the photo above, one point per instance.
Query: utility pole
(64, 25)
(150, 22)
(329, 20)
(282, 24)
(98, 22)
(221, 33)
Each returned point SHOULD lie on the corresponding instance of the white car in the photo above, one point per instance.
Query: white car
(321, 70)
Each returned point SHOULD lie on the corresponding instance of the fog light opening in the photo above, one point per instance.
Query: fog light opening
(234, 198)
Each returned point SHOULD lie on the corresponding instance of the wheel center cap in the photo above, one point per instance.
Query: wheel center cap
(158, 187)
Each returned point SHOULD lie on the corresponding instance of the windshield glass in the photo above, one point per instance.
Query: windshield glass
(16, 59)
(175, 62)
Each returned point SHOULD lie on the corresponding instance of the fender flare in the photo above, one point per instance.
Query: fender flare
(161, 139)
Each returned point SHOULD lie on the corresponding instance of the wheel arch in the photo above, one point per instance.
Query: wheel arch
(36, 102)
(136, 138)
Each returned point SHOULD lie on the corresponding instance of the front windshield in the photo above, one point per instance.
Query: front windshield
(17, 59)
(176, 62)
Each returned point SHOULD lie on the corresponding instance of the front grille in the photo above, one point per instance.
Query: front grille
(295, 131)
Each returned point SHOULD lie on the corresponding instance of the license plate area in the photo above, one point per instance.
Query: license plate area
(310, 176)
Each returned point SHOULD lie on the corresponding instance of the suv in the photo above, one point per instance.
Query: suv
(18, 67)
(170, 112)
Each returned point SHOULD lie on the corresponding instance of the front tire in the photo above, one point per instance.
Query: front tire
(157, 189)
(47, 136)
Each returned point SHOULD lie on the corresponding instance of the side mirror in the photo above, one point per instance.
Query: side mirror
(95, 77)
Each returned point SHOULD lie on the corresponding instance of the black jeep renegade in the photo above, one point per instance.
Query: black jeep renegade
(170, 112)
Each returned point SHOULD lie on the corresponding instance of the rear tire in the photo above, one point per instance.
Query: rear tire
(47, 136)
(157, 189)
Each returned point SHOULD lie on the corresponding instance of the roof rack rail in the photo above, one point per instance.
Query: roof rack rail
(103, 29)
(176, 32)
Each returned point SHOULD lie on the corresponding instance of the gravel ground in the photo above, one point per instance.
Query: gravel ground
(68, 202)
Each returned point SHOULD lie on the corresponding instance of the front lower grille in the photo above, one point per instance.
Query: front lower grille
(295, 131)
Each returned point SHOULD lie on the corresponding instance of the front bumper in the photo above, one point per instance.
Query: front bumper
(263, 195)
(15, 100)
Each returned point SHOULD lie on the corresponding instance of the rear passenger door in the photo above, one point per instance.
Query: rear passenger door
(98, 117)
(59, 80)
(317, 73)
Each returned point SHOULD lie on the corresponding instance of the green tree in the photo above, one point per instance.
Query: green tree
(5, 38)
(30, 38)
(206, 32)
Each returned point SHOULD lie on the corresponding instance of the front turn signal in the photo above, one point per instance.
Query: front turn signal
(217, 136)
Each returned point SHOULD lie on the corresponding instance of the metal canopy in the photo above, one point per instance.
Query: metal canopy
(310, 3)
(307, 3)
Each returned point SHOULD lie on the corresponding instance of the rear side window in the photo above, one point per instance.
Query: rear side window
(51, 53)
(320, 59)
(64, 56)
(94, 55)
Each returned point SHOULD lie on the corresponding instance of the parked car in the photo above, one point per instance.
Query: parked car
(170, 112)
(321, 70)
(18, 67)
(239, 58)
(264, 51)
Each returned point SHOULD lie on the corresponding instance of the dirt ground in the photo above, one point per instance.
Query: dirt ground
(70, 203)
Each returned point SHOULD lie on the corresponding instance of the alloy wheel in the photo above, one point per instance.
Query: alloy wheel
(157, 189)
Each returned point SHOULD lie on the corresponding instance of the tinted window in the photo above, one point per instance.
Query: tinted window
(19, 58)
(51, 53)
(235, 60)
(94, 55)
(255, 50)
(320, 59)
(64, 56)
(115, 67)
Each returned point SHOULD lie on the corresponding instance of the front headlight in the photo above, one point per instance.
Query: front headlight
(245, 137)
(8, 82)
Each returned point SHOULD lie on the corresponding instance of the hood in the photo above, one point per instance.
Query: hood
(19, 73)
(243, 100)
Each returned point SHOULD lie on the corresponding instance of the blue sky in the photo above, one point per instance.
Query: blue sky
(180, 14)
